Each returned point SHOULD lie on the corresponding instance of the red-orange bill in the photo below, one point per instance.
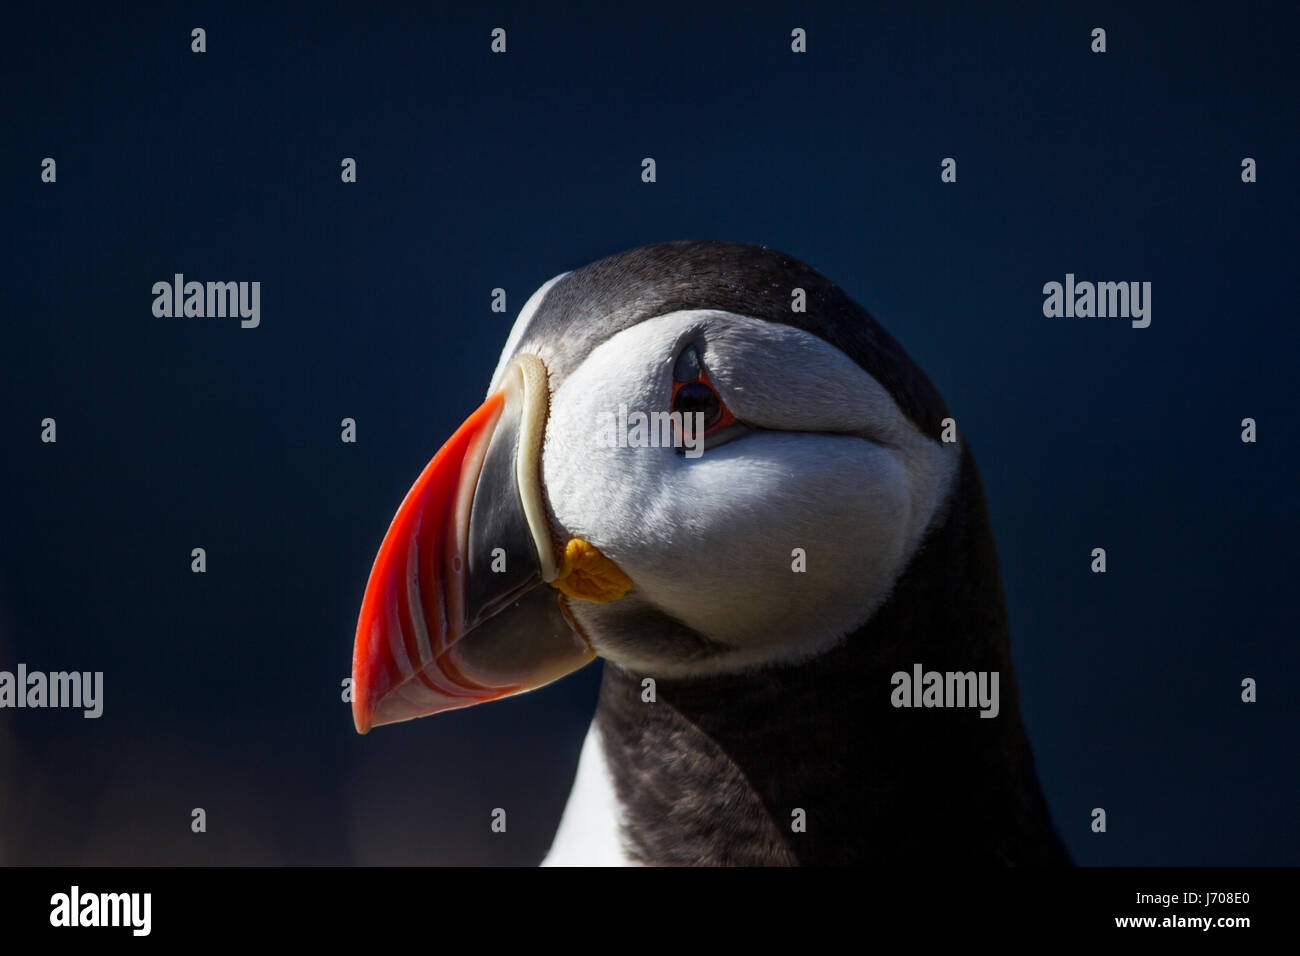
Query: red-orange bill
(455, 612)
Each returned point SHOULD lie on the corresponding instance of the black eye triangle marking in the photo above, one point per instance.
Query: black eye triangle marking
(687, 366)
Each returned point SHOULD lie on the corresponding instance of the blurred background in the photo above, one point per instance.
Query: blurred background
(476, 171)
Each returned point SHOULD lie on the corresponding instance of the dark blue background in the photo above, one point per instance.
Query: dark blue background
(478, 171)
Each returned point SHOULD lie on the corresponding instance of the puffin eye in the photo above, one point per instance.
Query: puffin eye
(698, 396)
(694, 394)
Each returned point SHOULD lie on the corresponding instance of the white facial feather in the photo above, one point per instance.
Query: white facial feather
(833, 467)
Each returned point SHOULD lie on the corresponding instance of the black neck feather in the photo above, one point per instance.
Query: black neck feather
(714, 770)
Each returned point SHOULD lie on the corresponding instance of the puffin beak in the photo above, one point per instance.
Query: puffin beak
(457, 610)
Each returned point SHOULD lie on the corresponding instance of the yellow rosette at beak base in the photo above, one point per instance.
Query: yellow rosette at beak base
(587, 574)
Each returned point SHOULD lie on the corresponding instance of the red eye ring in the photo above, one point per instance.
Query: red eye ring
(723, 418)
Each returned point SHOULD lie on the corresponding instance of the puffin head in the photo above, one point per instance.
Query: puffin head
(675, 470)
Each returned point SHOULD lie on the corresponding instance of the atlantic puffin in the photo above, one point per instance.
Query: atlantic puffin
(752, 603)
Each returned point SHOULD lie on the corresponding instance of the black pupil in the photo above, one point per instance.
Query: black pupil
(698, 397)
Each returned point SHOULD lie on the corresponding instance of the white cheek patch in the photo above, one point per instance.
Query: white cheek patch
(716, 542)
